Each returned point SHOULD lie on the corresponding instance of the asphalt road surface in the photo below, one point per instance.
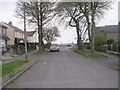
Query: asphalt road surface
(66, 69)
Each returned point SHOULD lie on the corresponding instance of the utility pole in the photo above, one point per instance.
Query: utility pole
(25, 34)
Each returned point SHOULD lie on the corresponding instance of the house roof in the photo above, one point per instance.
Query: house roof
(2, 25)
(30, 33)
(14, 27)
(17, 29)
(108, 29)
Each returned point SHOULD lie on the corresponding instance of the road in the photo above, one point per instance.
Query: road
(66, 69)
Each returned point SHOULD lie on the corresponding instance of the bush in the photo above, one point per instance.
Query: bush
(110, 41)
(86, 45)
(47, 45)
(99, 42)
(115, 48)
(109, 47)
(31, 46)
(99, 39)
(100, 48)
(119, 46)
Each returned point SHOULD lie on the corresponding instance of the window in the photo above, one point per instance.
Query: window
(15, 34)
(4, 31)
(0, 30)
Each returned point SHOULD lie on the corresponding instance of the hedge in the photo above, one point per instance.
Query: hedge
(100, 48)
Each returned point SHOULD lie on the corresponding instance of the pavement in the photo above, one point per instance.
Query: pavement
(7, 59)
(66, 69)
(111, 62)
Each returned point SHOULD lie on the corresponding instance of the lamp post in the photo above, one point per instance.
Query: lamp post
(25, 34)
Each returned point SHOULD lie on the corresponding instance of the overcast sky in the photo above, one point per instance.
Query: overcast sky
(68, 35)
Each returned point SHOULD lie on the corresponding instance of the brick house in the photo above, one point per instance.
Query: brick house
(3, 38)
(15, 34)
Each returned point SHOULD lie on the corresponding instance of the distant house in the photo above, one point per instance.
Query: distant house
(15, 34)
(110, 32)
(3, 37)
(32, 36)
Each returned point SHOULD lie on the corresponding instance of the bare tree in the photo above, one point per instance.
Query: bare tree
(50, 34)
(37, 12)
(93, 11)
(71, 9)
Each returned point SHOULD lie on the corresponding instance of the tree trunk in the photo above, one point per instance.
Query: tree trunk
(89, 32)
(41, 27)
(39, 36)
(79, 41)
(92, 28)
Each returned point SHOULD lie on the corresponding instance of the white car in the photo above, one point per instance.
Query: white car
(54, 47)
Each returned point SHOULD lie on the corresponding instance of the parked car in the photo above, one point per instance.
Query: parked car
(54, 47)
(71, 46)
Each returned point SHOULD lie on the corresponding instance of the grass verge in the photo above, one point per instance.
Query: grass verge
(89, 54)
(41, 52)
(8, 68)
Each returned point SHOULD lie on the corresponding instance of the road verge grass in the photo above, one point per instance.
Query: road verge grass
(8, 68)
(41, 52)
(89, 54)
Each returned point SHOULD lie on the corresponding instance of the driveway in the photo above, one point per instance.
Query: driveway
(66, 69)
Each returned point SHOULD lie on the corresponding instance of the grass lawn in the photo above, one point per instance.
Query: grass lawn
(89, 54)
(41, 52)
(10, 67)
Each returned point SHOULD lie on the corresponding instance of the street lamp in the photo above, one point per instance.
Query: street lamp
(25, 34)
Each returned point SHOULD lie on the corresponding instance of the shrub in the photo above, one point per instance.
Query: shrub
(119, 46)
(100, 48)
(31, 46)
(109, 47)
(86, 45)
(115, 48)
(99, 39)
(110, 41)
(47, 45)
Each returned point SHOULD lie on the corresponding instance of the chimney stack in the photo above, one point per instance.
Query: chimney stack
(10, 23)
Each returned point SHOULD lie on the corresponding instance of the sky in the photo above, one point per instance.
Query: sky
(68, 35)
(119, 12)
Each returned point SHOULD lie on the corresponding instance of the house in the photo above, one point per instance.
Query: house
(32, 36)
(110, 32)
(3, 38)
(15, 34)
